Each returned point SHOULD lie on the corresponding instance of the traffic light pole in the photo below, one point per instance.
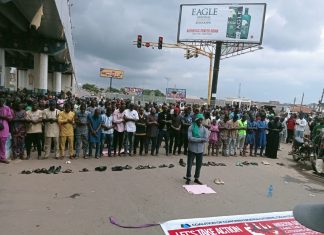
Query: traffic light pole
(218, 53)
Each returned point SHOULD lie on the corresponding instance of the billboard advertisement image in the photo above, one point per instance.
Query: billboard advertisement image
(176, 94)
(222, 22)
(111, 73)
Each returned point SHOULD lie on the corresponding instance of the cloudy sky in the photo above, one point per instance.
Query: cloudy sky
(292, 61)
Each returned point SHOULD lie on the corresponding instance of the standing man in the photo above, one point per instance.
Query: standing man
(232, 136)
(197, 136)
(5, 118)
(164, 120)
(52, 130)
(107, 132)
(66, 122)
(81, 131)
(175, 132)
(291, 122)
(186, 122)
(140, 134)
(300, 126)
(95, 123)
(153, 131)
(34, 132)
(119, 127)
(130, 117)
(242, 125)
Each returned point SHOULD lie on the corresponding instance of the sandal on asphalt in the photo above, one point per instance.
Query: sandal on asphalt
(117, 168)
(217, 181)
(57, 170)
(246, 163)
(38, 171)
(162, 166)
(101, 168)
(84, 170)
(150, 167)
(254, 163)
(140, 167)
(238, 164)
(51, 170)
(127, 167)
(205, 164)
(280, 164)
(171, 166)
(67, 171)
(26, 172)
(182, 163)
(221, 164)
(265, 163)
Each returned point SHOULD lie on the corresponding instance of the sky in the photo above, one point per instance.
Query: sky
(291, 62)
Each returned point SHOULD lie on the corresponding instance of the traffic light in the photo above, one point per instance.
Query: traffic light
(160, 43)
(139, 41)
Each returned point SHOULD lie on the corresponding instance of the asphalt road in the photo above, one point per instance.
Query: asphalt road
(81, 202)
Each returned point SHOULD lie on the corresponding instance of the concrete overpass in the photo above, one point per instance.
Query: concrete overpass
(36, 47)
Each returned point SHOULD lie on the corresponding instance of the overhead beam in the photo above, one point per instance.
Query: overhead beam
(14, 16)
(19, 61)
(31, 42)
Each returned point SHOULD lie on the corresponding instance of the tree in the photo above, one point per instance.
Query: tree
(90, 87)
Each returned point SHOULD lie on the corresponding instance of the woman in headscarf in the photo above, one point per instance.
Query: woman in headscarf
(18, 131)
(274, 128)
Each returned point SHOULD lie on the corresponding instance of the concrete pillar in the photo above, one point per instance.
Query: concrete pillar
(41, 72)
(57, 77)
(2, 67)
(23, 79)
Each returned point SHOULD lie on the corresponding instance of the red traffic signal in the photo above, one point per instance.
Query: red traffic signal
(139, 41)
(160, 43)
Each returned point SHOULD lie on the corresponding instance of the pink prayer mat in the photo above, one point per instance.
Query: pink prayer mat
(198, 189)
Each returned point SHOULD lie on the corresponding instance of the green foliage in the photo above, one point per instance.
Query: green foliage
(155, 92)
(90, 87)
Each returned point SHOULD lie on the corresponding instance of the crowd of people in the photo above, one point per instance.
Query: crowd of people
(52, 124)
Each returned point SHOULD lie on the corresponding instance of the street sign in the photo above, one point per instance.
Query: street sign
(111, 73)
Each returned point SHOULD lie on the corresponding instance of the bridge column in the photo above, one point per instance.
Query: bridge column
(2, 67)
(41, 72)
(57, 77)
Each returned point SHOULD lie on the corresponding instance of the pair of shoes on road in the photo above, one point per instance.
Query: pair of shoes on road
(51, 170)
(101, 168)
(182, 163)
(219, 181)
(166, 166)
(265, 163)
(280, 164)
(140, 167)
(197, 181)
(120, 168)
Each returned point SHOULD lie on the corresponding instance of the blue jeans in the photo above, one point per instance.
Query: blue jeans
(106, 138)
(190, 159)
(97, 146)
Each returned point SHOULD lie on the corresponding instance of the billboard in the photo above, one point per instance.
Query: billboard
(133, 91)
(222, 22)
(175, 94)
(111, 73)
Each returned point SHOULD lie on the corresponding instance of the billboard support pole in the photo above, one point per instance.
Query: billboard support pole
(218, 53)
(210, 76)
(110, 85)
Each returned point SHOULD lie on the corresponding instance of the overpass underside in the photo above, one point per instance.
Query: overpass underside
(36, 48)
